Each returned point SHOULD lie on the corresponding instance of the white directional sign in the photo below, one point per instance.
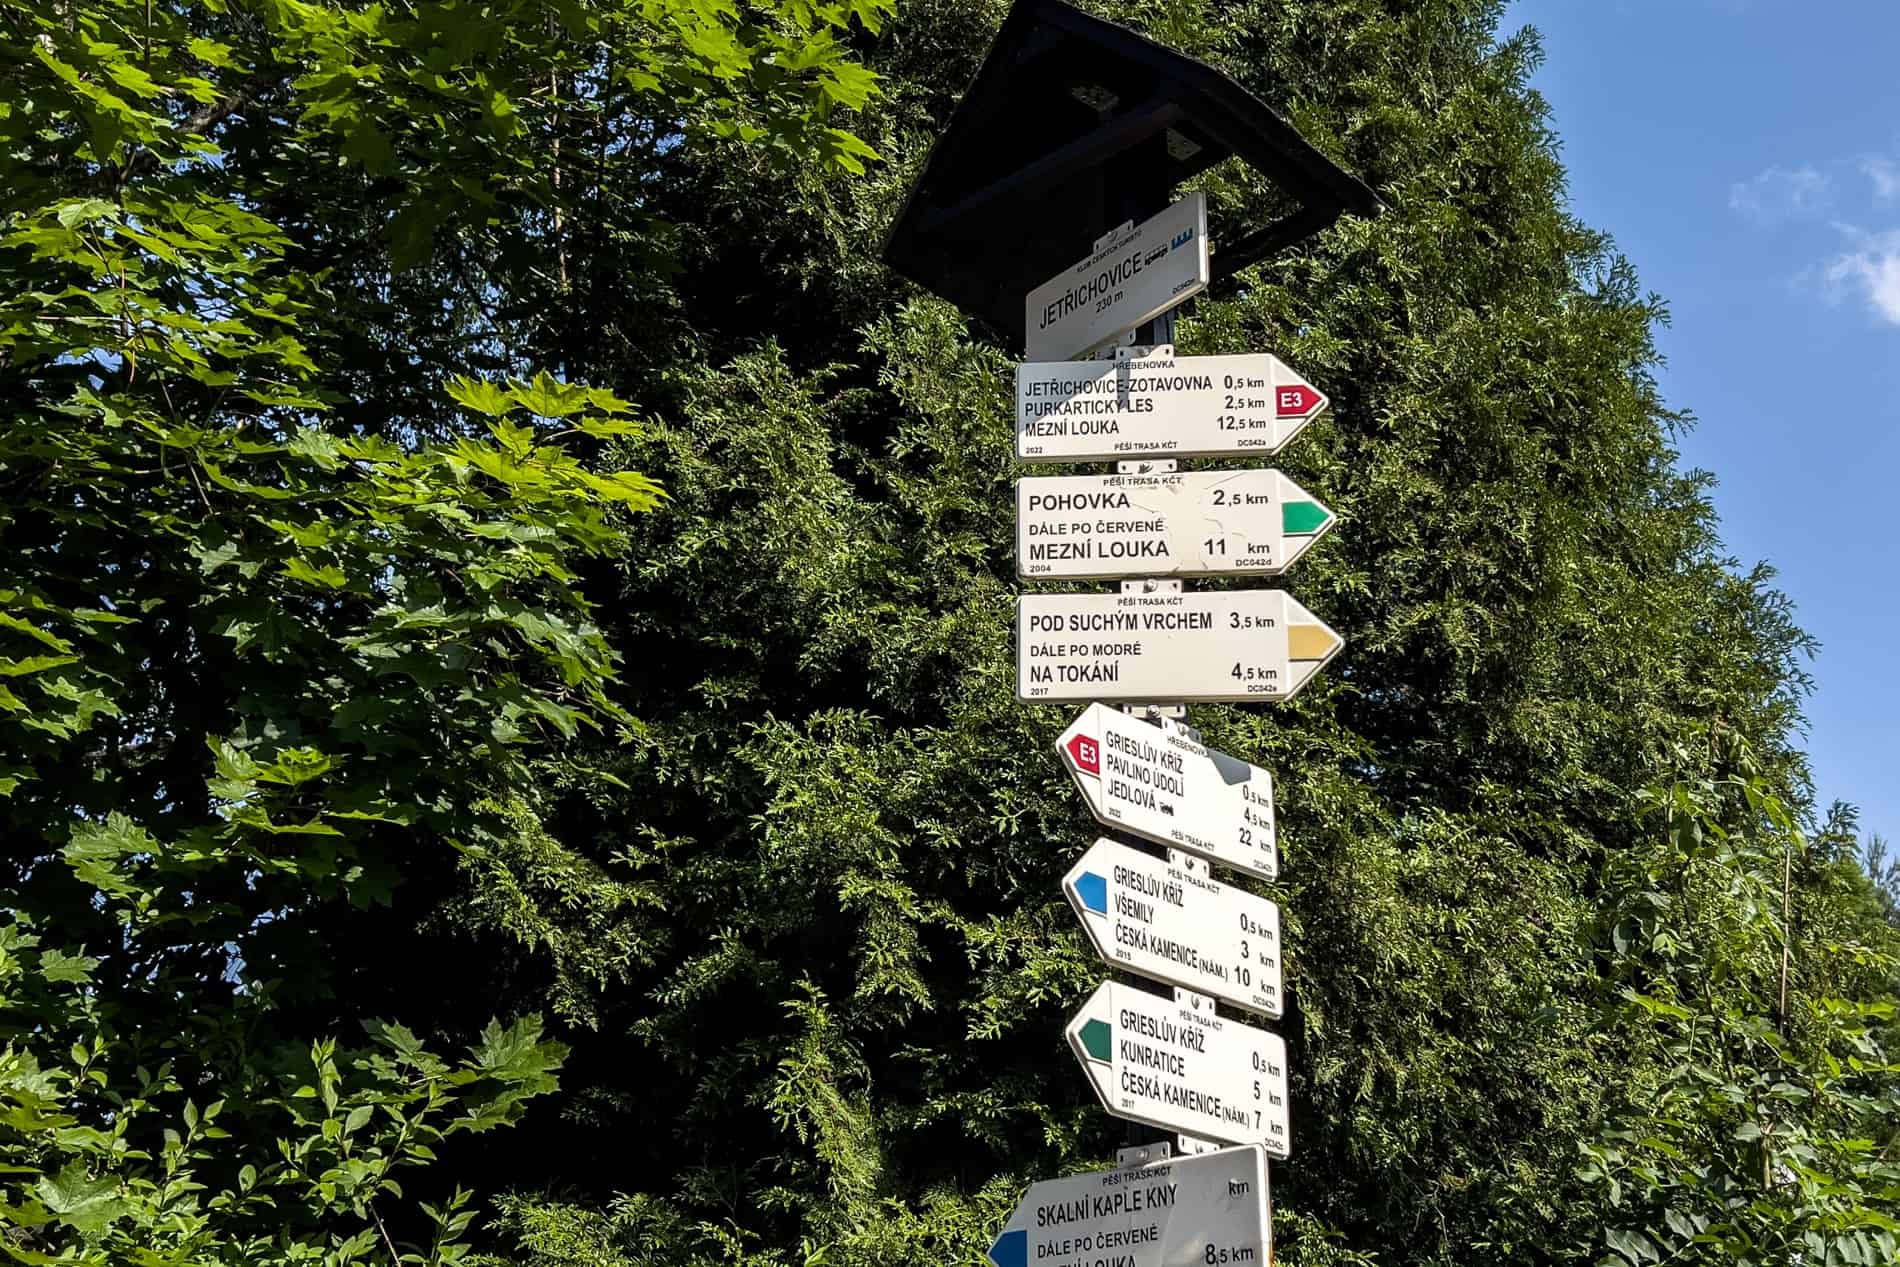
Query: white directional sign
(1132, 276)
(1153, 1060)
(1211, 1208)
(1175, 925)
(1237, 645)
(1195, 523)
(1157, 783)
(1160, 404)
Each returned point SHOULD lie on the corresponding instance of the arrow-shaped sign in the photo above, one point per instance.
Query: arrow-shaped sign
(1178, 926)
(1210, 1208)
(1237, 645)
(1157, 783)
(1195, 523)
(1160, 405)
(1153, 1060)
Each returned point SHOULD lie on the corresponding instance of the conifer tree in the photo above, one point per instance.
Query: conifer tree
(790, 906)
(847, 962)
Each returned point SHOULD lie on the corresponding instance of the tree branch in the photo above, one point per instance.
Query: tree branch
(203, 120)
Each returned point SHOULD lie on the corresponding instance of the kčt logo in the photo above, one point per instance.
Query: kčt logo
(1182, 238)
(1087, 754)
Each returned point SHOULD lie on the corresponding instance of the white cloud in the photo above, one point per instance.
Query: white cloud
(1864, 267)
(1871, 269)
(1885, 175)
(1781, 193)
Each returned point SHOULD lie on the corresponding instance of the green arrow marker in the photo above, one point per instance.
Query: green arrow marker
(1098, 1038)
(1300, 518)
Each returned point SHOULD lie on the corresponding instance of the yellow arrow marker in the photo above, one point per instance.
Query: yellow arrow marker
(1311, 642)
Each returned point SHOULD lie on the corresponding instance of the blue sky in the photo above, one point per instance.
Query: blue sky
(1745, 155)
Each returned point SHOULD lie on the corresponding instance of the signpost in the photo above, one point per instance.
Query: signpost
(1211, 1208)
(1135, 274)
(1153, 1060)
(1240, 645)
(1161, 405)
(1157, 783)
(1099, 125)
(1178, 926)
(1198, 523)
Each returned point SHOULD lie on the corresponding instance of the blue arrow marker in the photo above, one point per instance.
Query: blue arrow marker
(1011, 1249)
(1093, 890)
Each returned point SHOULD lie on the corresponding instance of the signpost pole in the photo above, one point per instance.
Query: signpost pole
(1193, 1145)
(1150, 1143)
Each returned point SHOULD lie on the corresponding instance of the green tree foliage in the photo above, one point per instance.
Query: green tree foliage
(110, 1163)
(832, 874)
(270, 649)
(1757, 976)
(737, 792)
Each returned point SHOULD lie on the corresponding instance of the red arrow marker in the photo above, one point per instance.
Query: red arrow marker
(1296, 401)
(1087, 754)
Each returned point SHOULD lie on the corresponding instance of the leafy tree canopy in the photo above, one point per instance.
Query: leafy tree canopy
(487, 540)
(272, 644)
